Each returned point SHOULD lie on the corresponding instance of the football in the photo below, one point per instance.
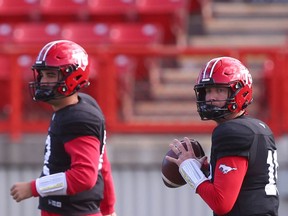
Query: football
(170, 171)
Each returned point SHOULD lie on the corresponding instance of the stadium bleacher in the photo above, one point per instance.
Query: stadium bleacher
(143, 79)
(36, 33)
(6, 31)
(112, 10)
(5, 76)
(86, 33)
(135, 34)
(64, 10)
(172, 15)
(144, 54)
(19, 10)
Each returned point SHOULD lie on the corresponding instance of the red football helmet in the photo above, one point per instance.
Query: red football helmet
(71, 62)
(224, 72)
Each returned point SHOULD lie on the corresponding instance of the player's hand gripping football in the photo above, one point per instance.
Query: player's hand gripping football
(184, 154)
(189, 164)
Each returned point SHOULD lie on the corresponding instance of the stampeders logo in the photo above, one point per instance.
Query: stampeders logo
(226, 169)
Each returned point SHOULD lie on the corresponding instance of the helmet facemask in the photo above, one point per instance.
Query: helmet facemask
(206, 108)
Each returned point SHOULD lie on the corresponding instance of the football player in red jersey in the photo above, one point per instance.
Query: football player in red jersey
(243, 160)
(76, 178)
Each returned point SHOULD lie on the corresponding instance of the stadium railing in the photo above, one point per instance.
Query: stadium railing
(122, 86)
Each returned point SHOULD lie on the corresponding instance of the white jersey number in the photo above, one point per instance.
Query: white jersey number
(271, 188)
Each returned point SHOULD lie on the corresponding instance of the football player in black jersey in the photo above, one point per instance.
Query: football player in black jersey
(76, 179)
(243, 160)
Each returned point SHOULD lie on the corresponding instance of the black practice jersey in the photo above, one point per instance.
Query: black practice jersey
(250, 138)
(82, 119)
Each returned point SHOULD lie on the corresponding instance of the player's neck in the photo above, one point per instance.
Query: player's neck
(63, 102)
(229, 117)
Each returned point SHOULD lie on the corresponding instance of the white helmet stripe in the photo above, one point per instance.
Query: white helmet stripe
(214, 65)
(212, 69)
(43, 53)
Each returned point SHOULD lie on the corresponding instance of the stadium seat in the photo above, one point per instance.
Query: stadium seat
(25, 62)
(19, 10)
(135, 34)
(35, 33)
(64, 10)
(5, 68)
(112, 10)
(6, 31)
(5, 77)
(86, 33)
(160, 6)
(171, 14)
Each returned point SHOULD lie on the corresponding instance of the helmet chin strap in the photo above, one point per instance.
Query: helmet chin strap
(46, 94)
(212, 112)
(43, 95)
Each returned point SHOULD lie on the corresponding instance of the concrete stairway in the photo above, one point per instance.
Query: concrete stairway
(239, 24)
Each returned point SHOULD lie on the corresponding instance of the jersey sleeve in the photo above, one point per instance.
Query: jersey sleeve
(84, 152)
(232, 139)
(107, 204)
(221, 195)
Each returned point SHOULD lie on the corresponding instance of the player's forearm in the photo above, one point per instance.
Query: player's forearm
(82, 174)
(85, 153)
(214, 199)
(222, 194)
(34, 189)
(57, 184)
(107, 204)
